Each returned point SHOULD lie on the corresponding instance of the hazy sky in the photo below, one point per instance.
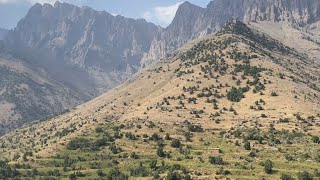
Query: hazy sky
(160, 12)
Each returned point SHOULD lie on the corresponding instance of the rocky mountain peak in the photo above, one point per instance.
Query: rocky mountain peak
(192, 21)
(102, 49)
(185, 13)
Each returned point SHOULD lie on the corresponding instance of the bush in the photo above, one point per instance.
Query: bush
(235, 95)
(153, 164)
(100, 173)
(78, 143)
(305, 176)
(116, 174)
(160, 152)
(139, 171)
(216, 160)
(6, 172)
(247, 145)
(316, 139)
(173, 175)
(175, 143)
(268, 165)
(286, 177)
(99, 130)
(195, 128)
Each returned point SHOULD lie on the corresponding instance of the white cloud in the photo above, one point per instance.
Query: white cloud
(147, 15)
(162, 14)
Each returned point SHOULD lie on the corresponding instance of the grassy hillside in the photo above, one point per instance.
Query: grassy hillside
(237, 105)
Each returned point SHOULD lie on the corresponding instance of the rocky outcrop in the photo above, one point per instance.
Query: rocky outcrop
(89, 50)
(192, 22)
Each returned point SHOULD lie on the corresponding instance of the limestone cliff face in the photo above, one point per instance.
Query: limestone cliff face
(83, 47)
(191, 21)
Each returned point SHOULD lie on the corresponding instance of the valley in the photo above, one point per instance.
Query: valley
(237, 104)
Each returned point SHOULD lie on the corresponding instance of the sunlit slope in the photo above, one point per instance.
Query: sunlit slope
(222, 91)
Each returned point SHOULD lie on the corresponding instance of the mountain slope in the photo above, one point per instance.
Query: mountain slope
(27, 94)
(221, 107)
(78, 53)
(304, 41)
(88, 52)
(191, 21)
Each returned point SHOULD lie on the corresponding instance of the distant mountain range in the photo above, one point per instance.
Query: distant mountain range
(88, 52)
(192, 21)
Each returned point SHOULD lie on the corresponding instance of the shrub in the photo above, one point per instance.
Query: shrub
(305, 176)
(173, 175)
(195, 128)
(316, 139)
(216, 160)
(286, 177)
(268, 165)
(140, 171)
(235, 95)
(99, 130)
(116, 174)
(153, 164)
(175, 143)
(78, 143)
(6, 172)
(247, 145)
(100, 173)
(160, 152)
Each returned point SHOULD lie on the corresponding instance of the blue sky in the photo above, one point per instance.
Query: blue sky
(159, 12)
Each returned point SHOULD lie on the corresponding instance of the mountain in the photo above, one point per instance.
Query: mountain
(27, 93)
(192, 22)
(70, 55)
(238, 105)
(3, 33)
(88, 50)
